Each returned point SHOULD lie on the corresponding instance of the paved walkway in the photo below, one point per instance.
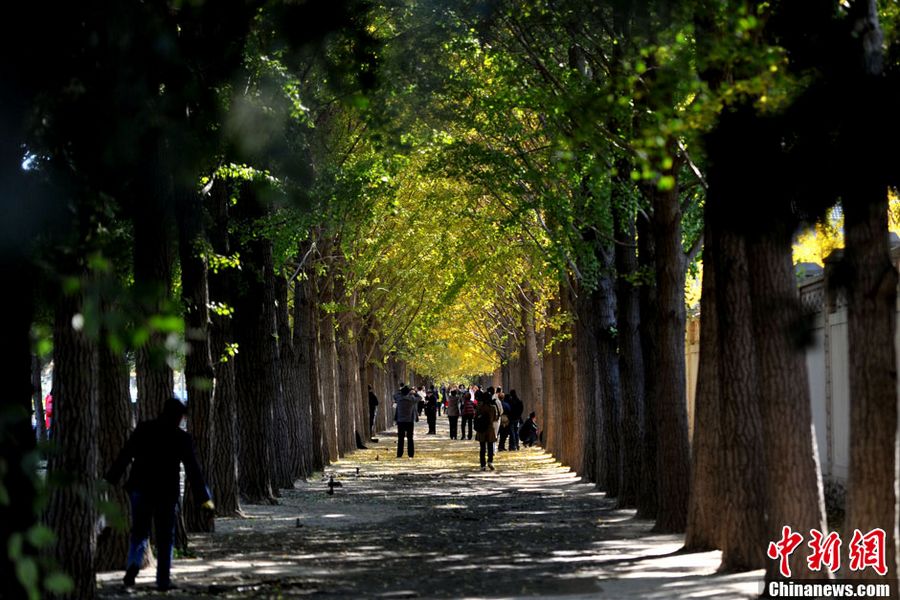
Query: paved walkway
(436, 526)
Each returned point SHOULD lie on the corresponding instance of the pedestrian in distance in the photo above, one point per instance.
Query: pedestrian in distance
(406, 418)
(528, 433)
(515, 418)
(431, 406)
(453, 412)
(504, 431)
(373, 410)
(468, 415)
(486, 432)
(155, 450)
(421, 404)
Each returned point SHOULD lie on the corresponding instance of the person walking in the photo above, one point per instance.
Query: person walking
(431, 406)
(406, 417)
(468, 415)
(486, 432)
(373, 410)
(503, 432)
(453, 412)
(516, 407)
(155, 452)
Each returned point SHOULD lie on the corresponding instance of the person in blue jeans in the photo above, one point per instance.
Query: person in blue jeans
(155, 450)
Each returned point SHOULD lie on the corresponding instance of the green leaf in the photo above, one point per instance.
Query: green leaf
(40, 536)
(14, 546)
(666, 183)
(167, 323)
(27, 572)
(59, 583)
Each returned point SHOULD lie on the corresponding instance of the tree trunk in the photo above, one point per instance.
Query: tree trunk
(534, 366)
(648, 500)
(707, 487)
(281, 420)
(871, 298)
(311, 336)
(571, 429)
(794, 483)
(153, 256)
(589, 398)
(224, 468)
(17, 440)
(289, 381)
(307, 384)
(741, 451)
(254, 328)
(674, 450)
(198, 369)
(631, 361)
(609, 393)
(71, 512)
(871, 326)
(115, 419)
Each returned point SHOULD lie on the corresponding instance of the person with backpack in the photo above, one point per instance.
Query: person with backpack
(485, 424)
(468, 415)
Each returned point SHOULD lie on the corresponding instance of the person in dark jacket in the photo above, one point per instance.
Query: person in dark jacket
(406, 416)
(515, 418)
(529, 431)
(468, 415)
(431, 407)
(373, 410)
(154, 451)
(453, 412)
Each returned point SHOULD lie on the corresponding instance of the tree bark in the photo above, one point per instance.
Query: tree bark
(224, 468)
(674, 450)
(115, 424)
(794, 483)
(648, 500)
(71, 513)
(533, 364)
(254, 328)
(609, 407)
(631, 361)
(707, 487)
(871, 297)
(307, 379)
(17, 440)
(153, 256)
(589, 398)
(198, 369)
(310, 336)
(871, 326)
(741, 449)
(281, 418)
(289, 381)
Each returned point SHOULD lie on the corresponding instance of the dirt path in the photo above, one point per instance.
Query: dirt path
(436, 526)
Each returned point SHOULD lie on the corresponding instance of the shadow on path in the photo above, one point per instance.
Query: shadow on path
(436, 526)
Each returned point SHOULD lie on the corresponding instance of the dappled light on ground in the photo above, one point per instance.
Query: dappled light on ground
(437, 526)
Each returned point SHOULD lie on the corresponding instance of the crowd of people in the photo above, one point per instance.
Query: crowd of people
(490, 415)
